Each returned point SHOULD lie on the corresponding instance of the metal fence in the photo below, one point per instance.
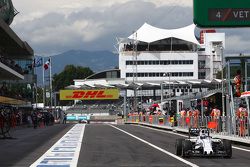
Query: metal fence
(223, 125)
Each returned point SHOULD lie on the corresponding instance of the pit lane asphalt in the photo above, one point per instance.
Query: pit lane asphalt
(104, 146)
(167, 141)
(28, 144)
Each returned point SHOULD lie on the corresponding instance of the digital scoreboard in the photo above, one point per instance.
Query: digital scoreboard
(221, 13)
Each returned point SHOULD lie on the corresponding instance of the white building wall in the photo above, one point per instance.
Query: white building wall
(213, 45)
(159, 56)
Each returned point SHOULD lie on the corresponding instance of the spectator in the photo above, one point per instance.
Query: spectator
(4, 89)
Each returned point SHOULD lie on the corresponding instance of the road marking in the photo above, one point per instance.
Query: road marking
(158, 148)
(242, 149)
(65, 152)
(234, 147)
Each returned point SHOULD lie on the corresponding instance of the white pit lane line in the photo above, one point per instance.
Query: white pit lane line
(65, 152)
(158, 148)
(177, 134)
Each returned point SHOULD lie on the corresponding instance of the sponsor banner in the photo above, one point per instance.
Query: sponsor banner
(92, 94)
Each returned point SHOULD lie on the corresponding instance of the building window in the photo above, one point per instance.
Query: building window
(202, 64)
(161, 62)
(201, 75)
(152, 74)
(201, 49)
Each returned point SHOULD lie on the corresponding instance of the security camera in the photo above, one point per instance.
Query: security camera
(213, 51)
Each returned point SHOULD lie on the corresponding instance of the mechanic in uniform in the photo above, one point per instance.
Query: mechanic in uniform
(237, 82)
(242, 115)
(195, 115)
(183, 115)
(215, 114)
(189, 116)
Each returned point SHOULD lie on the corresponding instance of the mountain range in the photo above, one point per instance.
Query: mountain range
(96, 60)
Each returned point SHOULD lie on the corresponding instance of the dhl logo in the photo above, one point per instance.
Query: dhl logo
(89, 94)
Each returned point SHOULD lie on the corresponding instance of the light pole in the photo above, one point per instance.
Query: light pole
(215, 49)
(162, 90)
(169, 89)
(222, 82)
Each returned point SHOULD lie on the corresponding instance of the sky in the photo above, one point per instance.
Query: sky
(55, 26)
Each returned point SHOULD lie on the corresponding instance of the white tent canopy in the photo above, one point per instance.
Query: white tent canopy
(147, 33)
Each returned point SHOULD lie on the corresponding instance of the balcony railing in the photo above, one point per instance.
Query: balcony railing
(11, 63)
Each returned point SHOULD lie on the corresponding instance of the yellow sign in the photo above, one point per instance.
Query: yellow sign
(92, 94)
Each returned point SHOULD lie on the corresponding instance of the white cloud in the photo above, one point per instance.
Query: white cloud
(236, 44)
(59, 25)
(54, 26)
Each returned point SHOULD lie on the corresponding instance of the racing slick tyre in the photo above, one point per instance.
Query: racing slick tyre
(178, 146)
(186, 148)
(227, 148)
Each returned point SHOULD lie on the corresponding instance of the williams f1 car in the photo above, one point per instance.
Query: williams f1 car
(200, 143)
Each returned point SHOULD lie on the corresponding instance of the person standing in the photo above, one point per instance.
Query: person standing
(215, 114)
(34, 119)
(195, 115)
(64, 118)
(237, 82)
(183, 115)
(242, 115)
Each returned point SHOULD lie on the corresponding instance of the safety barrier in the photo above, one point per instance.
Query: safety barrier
(223, 125)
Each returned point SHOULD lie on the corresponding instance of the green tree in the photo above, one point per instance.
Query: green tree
(66, 77)
(70, 72)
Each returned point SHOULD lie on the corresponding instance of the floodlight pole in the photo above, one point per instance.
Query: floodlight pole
(43, 86)
(169, 89)
(50, 74)
(222, 82)
(161, 92)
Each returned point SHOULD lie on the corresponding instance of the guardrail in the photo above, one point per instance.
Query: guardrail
(220, 126)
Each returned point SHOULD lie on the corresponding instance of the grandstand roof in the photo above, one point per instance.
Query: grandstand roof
(147, 33)
(101, 83)
(13, 46)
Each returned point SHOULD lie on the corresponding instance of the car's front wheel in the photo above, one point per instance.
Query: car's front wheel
(178, 146)
(186, 148)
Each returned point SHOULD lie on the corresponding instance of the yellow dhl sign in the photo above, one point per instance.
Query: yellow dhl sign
(93, 94)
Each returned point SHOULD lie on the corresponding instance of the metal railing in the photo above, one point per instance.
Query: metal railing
(223, 125)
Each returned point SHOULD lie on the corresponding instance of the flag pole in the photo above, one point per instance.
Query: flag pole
(35, 84)
(43, 86)
(50, 74)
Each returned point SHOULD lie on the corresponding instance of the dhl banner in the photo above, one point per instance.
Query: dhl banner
(92, 94)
